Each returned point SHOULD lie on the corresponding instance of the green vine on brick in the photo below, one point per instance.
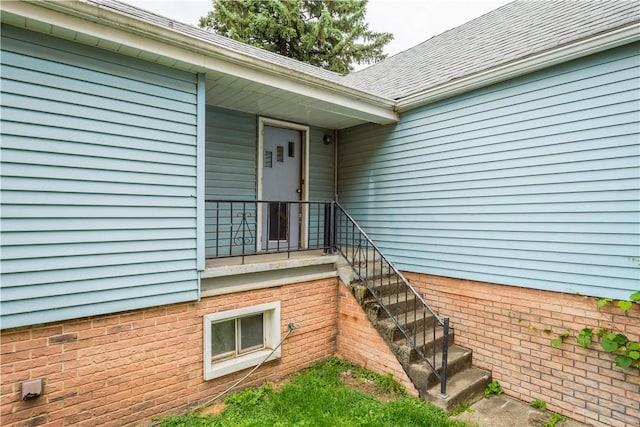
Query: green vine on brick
(557, 341)
(627, 351)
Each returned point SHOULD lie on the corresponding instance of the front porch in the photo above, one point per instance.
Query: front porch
(253, 244)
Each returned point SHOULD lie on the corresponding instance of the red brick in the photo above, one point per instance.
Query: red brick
(16, 335)
(122, 358)
(40, 332)
(571, 373)
(17, 356)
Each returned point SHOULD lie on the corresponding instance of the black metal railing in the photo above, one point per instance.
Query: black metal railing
(423, 329)
(232, 228)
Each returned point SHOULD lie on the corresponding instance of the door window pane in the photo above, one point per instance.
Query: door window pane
(223, 338)
(251, 332)
(278, 221)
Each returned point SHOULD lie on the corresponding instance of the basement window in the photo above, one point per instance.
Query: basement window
(240, 339)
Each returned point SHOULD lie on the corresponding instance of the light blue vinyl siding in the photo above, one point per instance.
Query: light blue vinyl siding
(230, 165)
(231, 141)
(321, 186)
(321, 166)
(98, 181)
(534, 182)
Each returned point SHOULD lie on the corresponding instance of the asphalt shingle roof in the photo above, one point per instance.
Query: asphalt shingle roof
(513, 31)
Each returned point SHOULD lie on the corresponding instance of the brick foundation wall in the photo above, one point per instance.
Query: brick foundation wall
(504, 326)
(360, 343)
(124, 368)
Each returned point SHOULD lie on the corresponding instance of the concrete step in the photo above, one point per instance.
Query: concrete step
(412, 324)
(385, 284)
(406, 353)
(397, 305)
(371, 271)
(423, 377)
(466, 386)
(465, 383)
(428, 342)
(371, 267)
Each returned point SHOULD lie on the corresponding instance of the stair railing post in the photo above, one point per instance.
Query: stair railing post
(329, 228)
(327, 238)
(332, 228)
(445, 354)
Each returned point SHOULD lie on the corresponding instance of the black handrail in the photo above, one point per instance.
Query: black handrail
(392, 286)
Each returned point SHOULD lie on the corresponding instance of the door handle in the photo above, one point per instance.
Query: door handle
(299, 190)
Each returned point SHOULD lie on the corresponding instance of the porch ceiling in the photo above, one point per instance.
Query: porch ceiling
(234, 80)
(239, 94)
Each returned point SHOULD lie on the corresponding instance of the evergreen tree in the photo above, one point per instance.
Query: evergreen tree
(331, 34)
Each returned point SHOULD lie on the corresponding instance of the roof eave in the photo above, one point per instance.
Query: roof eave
(519, 67)
(202, 54)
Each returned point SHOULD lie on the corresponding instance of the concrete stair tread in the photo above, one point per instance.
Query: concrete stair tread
(385, 283)
(418, 328)
(391, 299)
(423, 342)
(455, 353)
(427, 338)
(399, 304)
(410, 323)
(423, 377)
(467, 386)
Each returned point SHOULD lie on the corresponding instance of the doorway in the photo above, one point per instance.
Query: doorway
(282, 169)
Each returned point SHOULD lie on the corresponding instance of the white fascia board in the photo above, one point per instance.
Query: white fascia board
(205, 56)
(589, 46)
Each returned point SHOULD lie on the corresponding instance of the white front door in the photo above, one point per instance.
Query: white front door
(282, 163)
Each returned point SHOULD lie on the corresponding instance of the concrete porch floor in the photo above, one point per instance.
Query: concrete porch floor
(262, 258)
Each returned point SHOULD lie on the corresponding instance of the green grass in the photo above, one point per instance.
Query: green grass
(320, 396)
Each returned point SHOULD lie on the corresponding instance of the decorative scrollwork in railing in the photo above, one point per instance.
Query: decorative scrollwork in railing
(243, 235)
(237, 228)
(364, 255)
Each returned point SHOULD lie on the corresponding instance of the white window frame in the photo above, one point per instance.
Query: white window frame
(271, 319)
